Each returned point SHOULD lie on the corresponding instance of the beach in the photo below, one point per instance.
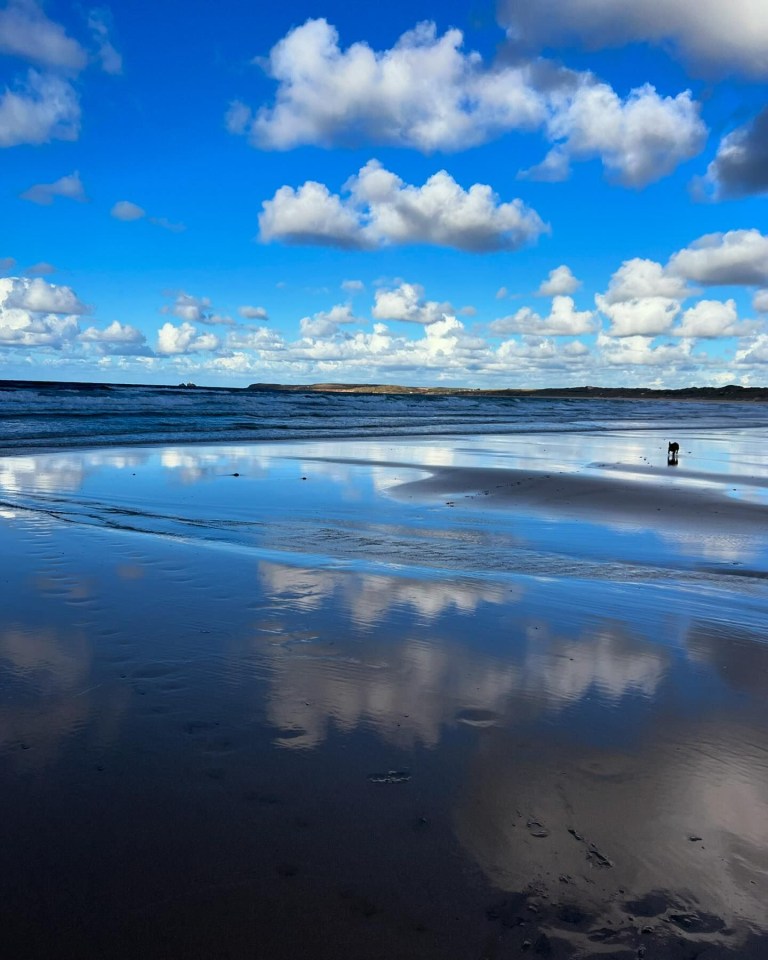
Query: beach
(468, 695)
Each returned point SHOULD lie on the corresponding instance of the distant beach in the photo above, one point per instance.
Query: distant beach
(406, 676)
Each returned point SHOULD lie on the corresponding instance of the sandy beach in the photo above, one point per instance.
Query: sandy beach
(453, 698)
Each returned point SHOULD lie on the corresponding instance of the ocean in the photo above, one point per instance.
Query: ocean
(53, 416)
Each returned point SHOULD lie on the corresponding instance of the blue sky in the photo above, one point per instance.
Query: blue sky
(470, 194)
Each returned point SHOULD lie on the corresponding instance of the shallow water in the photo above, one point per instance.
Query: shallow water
(246, 714)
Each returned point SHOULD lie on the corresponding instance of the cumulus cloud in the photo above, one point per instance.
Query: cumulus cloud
(638, 279)
(760, 301)
(182, 339)
(70, 186)
(740, 167)
(7, 264)
(559, 281)
(326, 323)
(39, 296)
(642, 299)
(643, 316)
(197, 310)
(353, 286)
(735, 257)
(30, 316)
(639, 140)
(542, 353)
(640, 351)
(117, 339)
(753, 351)
(260, 338)
(709, 33)
(26, 32)
(22, 328)
(381, 209)
(713, 318)
(406, 302)
(40, 269)
(41, 108)
(563, 321)
(311, 215)
(427, 93)
(253, 313)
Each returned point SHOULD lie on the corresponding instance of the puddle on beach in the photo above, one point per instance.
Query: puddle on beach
(245, 714)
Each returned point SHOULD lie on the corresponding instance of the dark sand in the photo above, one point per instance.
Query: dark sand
(356, 715)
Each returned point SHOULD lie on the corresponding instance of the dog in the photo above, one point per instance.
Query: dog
(672, 451)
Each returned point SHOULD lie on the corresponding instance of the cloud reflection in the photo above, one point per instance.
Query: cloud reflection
(410, 684)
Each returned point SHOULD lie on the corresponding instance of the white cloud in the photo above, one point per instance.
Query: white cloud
(261, 338)
(99, 22)
(117, 339)
(563, 321)
(39, 296)
(70, 186)
(643, 299)
(760, 301)
(735, 257)
(645, 316)
(423, 93)
(710, 33)
(639, 140)
(311, 215)
(183, 339)
(427, 93)
(559, 281)
(352, 286)
(189, 308)
(638, 279)
(381, 209)
(125, 210)
(639, 351)
(196, 310)
(502, 293)
(753, 351)
(26, 32)
(326, 323)
(31, 315)
(40, 109)
(406, 302)
(713, 318)
(22, 328)
(253, 313)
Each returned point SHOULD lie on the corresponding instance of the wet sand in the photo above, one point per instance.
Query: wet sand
(488, 698)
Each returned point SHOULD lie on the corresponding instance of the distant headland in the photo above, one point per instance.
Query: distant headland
(729, 392)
